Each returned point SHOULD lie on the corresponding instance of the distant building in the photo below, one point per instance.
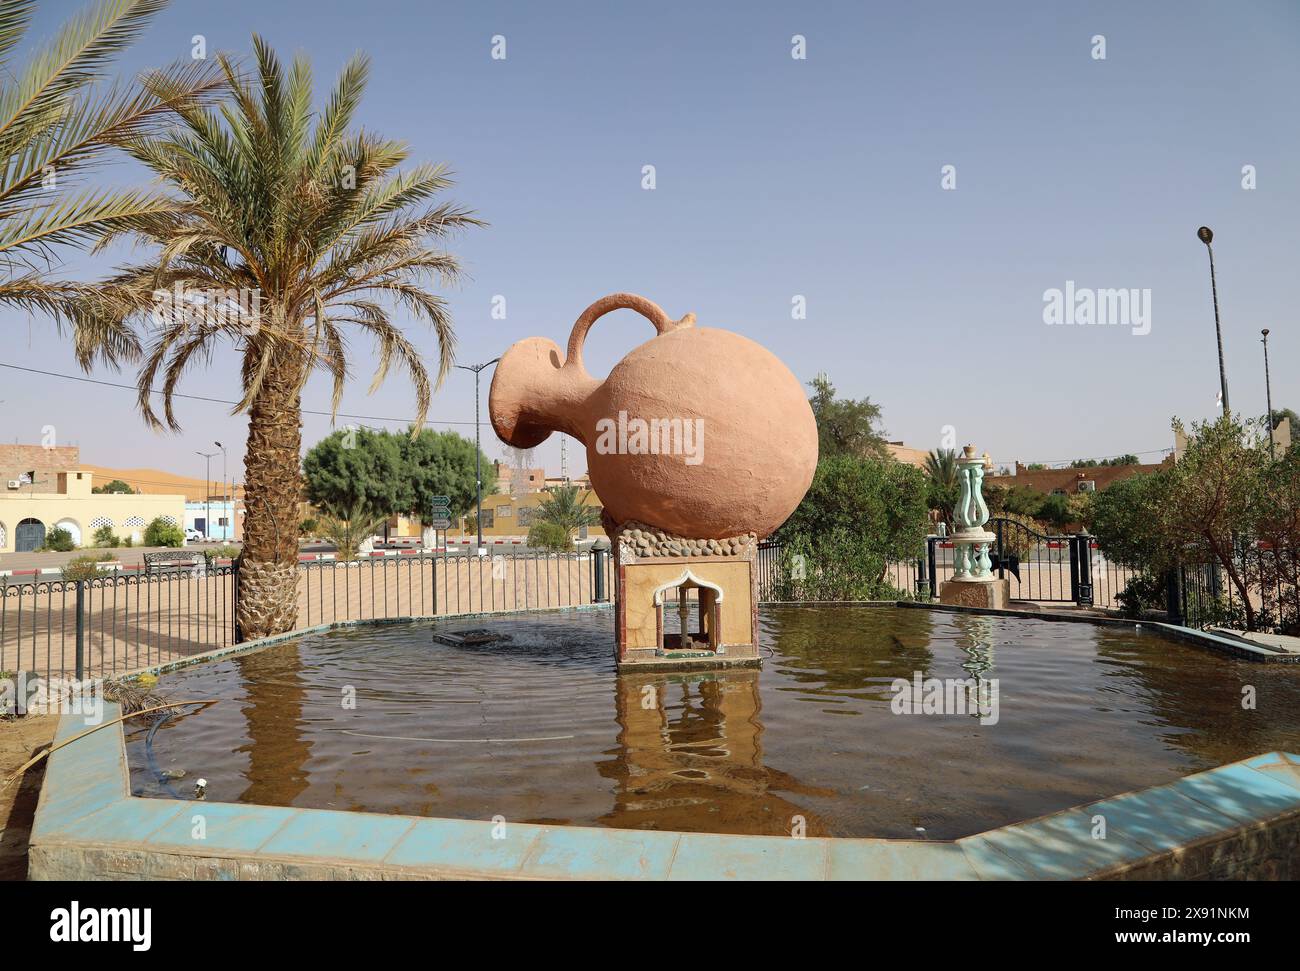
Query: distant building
(505, 515)
(43, 496)
(530, 480)
(1070, 481)
(216, 518)
(907, 455)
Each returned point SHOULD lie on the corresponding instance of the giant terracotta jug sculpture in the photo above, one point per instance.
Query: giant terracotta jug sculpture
(756, 432)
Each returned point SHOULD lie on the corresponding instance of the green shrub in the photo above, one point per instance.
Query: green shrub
(105, 538)
(59, 540)
(162, 533)
(549, 536)
(224, 552)
(128, 542)
(83, 568)
(1144, 591)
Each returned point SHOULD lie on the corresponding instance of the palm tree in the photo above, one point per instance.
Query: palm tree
(289, 230)
(348, 527)
(54, 125)
(942, 479)
(566, 508)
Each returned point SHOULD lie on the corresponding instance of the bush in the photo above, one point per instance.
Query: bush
(859, 517)
(83, 568)
(105, 538)
(549, 536)
(59, 540)
(224, 552)
(1144, 591)
(162, 533)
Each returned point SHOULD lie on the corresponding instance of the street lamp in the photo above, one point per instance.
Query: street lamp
(207, 491)
(227, 507)
(478, 452)
(1206, 236)
(1268, 394)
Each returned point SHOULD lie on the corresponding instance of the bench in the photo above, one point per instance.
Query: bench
(173, 561)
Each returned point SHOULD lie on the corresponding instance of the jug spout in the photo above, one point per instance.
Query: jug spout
(534, 394)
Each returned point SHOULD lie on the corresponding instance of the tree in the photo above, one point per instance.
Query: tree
(357, 466)
(943, 489)
(55, 124)
(845, 427)
(442, 464)
(1214, 492)
(160, 532)
(347, 527)
(1126, 459)
(1201, 509)
(566, 507)
(287, 230)
(114, 488)
(390, 473)
(1286, 413)
(860, 516)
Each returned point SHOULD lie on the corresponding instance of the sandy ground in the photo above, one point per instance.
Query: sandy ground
(20, 739)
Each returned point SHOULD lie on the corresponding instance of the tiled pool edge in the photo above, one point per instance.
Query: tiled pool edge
(1239, 820)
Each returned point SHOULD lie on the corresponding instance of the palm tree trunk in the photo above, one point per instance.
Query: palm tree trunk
(268, 575)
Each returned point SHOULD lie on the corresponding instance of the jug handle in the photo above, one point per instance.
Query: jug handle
(648, 309)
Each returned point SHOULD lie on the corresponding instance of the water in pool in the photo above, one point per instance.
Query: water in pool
(542, 729)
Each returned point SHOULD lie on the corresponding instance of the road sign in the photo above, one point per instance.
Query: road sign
(439, 522)
(441, 501)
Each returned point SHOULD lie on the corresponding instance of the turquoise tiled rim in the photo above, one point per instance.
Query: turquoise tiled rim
(86, 815)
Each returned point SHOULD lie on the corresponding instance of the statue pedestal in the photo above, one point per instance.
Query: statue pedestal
(668, 585)
(991, 594)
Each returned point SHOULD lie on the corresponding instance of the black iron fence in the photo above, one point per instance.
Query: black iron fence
(1204, 595)
(1040, 567)
(115, 623)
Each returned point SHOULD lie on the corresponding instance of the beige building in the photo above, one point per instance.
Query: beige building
(29, 510)
(512, 516)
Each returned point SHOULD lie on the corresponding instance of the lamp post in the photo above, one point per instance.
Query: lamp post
(207, 491)
(227, 507)
(1206, 236)
(478, 452)
(1268, 395)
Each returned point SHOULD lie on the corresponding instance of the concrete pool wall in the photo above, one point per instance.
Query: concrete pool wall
(1237, 821)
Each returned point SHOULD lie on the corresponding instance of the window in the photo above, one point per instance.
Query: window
(488, 521)
(503, 512)
(525, 516)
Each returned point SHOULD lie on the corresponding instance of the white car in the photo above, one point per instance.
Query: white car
(192, 535)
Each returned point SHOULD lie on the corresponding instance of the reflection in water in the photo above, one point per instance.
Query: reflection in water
(690, 756)
(542, 728)
(276, 746)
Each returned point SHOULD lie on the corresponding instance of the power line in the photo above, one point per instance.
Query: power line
(218, 401)
(408, 421)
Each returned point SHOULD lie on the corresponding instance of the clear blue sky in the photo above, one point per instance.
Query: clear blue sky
(818, 177)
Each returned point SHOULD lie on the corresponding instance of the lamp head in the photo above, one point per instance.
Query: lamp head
(1205, 235)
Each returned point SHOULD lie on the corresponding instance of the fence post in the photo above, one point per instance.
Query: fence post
(931, 544)
(922, 578)
(81, 629)
(1173, 598)
(234, 597)
(598, 588)
(1083, 550)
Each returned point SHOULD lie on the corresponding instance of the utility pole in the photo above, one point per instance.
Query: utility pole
(227, 507)
(478, 452)
(1206, 236)
(207, 491)
(1268, 394)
